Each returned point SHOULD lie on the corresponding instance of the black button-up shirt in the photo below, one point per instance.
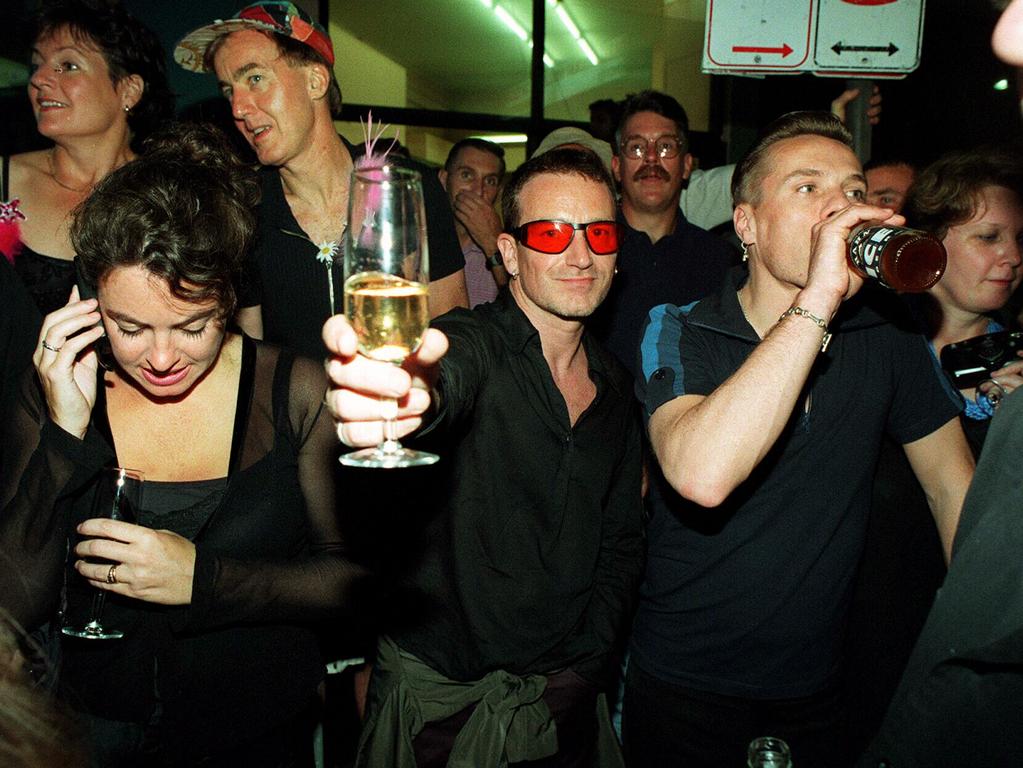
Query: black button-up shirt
(534, 552)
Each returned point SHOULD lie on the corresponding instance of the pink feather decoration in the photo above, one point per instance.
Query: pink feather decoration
(10, 229)
(371, 159)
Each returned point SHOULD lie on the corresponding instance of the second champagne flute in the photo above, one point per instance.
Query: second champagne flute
(118, 496)
(387, 286)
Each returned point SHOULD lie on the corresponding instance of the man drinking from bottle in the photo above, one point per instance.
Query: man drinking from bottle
(766, 406)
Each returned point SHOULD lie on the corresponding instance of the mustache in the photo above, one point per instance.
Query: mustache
(651, 170)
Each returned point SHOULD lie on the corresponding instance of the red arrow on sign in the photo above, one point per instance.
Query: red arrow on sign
(785, 50)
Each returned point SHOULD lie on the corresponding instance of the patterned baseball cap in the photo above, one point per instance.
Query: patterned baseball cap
(274, 16)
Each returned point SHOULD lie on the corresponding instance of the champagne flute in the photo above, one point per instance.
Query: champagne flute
(386, 277)
(117, 496)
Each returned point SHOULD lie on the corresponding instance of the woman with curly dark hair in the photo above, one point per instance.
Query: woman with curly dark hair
(98, 87)
(237, 554)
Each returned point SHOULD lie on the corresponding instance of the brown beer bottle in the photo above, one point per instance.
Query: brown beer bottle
(905, 260)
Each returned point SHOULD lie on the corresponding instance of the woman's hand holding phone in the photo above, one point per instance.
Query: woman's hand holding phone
(67, 364)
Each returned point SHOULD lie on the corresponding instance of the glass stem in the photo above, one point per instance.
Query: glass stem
(390, 442)
(98, 601)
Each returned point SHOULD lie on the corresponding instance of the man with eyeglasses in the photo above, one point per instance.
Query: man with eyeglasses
(532, 547)
(663, 257)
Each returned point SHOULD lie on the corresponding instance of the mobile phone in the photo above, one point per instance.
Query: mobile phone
(971, 361)
(86, 291)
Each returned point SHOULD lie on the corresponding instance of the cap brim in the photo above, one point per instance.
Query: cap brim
(190, 52)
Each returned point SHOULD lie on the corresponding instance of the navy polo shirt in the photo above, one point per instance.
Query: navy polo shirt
(749, 599)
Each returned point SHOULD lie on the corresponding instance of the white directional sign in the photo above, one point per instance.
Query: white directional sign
(831, 38)
(872, 37)
(760, 35)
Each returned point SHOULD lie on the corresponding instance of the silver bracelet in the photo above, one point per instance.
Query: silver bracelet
(810, 316)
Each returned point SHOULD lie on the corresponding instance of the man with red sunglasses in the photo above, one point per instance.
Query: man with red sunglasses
(532, 545)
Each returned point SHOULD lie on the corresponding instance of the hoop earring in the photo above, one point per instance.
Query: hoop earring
(745, 250)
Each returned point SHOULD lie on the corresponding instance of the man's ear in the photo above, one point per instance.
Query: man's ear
(616, 168)
(509, 253)
(687, 165)
(745, 223)
(317, 80)
(442, 174)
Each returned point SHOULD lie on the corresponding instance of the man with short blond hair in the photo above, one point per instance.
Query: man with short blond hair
(767, 403)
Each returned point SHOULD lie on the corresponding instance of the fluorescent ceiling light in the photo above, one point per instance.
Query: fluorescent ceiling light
(562, 14)
(587, 51)
(509, 22)
(505, 138)
(573, 30)
(517, 28)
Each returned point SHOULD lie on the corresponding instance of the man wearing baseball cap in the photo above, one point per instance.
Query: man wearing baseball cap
(274, 64)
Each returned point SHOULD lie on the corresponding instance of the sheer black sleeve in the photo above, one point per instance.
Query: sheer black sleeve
(313, 584)
(44, 469)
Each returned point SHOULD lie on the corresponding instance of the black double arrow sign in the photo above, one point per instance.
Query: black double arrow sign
(839, 48)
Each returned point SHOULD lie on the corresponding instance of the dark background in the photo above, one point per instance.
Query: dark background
(948, 103)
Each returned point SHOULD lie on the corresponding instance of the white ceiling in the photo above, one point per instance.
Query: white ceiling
(460, 56)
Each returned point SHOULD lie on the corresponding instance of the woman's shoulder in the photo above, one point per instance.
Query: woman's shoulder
(29, 164)
(25, 172)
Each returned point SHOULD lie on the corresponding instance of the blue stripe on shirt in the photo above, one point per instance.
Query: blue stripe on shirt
(659, 346)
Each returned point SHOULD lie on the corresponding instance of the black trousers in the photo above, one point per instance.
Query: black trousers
(675, 727)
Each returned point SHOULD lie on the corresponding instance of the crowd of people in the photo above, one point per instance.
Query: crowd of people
(693, 490)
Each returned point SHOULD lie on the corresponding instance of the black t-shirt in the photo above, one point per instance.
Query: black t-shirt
(749, 599)
(285, 277)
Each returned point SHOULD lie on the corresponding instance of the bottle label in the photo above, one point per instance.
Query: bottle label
(866, 247)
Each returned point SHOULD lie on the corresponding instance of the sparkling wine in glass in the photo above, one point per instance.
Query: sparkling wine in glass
(386, 286)
(117, 497)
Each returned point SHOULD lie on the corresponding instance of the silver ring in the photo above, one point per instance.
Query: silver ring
(995, 393)
(52, 349)
(112, 574)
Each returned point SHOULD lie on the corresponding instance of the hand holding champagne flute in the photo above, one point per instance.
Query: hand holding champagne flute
(386, 293)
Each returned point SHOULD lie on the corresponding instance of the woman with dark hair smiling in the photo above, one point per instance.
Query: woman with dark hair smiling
(98, 87)
(238, 552)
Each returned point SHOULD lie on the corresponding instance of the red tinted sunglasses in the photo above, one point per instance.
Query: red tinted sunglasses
(552, 237)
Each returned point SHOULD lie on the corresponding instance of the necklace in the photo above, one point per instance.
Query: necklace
(327, 255)
(53, 175)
